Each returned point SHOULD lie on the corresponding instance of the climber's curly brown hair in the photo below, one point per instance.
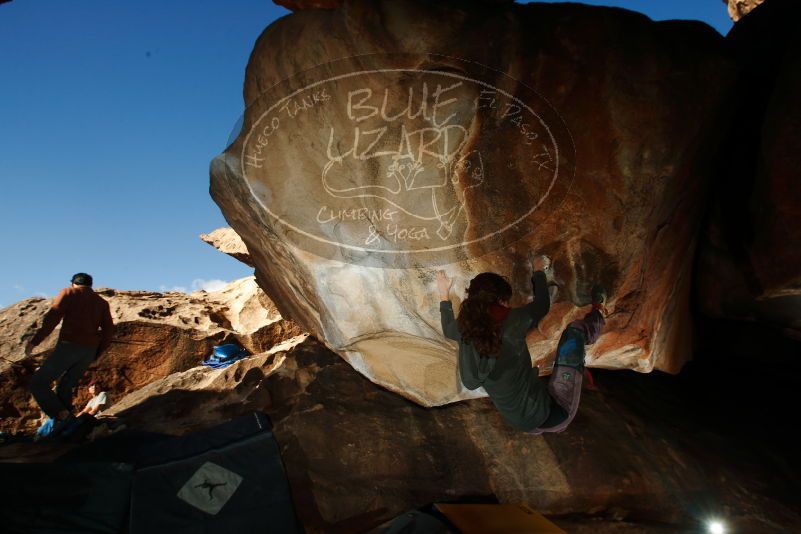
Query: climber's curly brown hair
(475, 322)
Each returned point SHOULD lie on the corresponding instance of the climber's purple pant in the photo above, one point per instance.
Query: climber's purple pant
(590, 326)
(565, 383)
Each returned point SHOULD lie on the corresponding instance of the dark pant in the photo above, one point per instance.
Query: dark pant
(80, 427)
(68, 361)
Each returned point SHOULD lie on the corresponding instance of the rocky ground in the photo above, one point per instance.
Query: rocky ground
(646, 453)
(652, 452)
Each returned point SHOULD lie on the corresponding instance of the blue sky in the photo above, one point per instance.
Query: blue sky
(110, 112)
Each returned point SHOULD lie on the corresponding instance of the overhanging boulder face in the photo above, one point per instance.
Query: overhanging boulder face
(464, 138)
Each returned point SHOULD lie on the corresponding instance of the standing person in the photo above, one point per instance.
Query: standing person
(83, 312)
(493, 351)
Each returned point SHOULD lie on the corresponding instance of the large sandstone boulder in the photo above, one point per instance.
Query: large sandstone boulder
(464, 136)
(750, 260)
(158, 334)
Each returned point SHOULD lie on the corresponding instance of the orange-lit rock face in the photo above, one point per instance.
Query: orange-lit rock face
(157, 334)
(463, 139)
(228, 242)
(740, 8)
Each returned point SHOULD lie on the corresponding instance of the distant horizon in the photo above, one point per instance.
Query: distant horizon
(113, 116)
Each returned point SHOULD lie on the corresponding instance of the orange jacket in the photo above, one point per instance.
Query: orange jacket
(83, 312)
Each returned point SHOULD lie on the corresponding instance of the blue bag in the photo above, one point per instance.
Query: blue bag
(225, 355)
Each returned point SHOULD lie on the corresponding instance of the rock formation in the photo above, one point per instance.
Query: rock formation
(634, 460)
(580, 132)
(158, 334)
(740, 8)
(750, 264)
(232, 385)
(228, 242)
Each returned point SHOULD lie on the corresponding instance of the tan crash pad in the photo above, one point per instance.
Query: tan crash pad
(497, 518)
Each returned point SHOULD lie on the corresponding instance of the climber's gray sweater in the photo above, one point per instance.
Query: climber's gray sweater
(510, 381)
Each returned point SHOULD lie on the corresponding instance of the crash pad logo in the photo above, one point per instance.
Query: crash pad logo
(403, 161)
(210, 488)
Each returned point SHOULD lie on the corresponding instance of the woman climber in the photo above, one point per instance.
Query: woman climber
(493, 351)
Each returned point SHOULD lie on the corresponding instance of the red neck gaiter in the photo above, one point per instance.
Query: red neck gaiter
(498, 312)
